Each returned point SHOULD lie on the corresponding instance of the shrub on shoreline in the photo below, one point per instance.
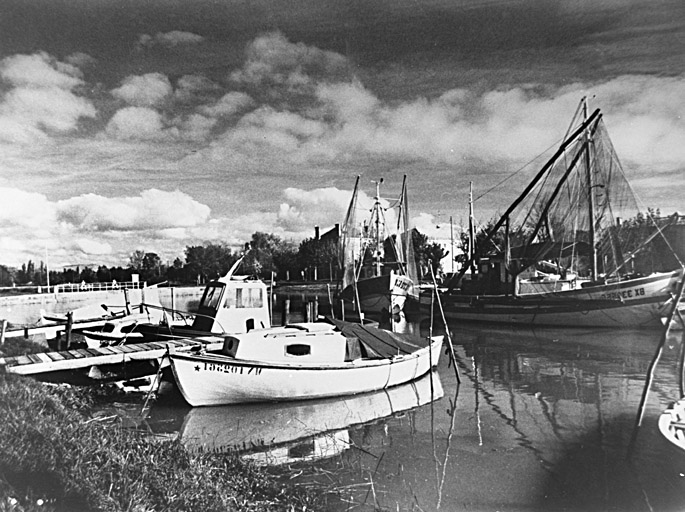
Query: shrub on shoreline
(54, 456)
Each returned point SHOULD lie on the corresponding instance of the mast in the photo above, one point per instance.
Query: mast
(377, 212)
(472, 231)
(456, 279)
(591, 202)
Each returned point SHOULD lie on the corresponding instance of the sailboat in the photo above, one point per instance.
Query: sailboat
(379, 269)
(573, 249)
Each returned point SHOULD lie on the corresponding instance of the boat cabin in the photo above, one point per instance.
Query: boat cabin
(311, 343)
(317, 343)
(233, 304)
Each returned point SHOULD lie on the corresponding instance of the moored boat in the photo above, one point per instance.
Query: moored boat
(574, 249)
(303, 361)
(672, 424)
(379, 269)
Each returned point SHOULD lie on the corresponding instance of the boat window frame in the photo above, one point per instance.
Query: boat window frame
(298, 347)
(208, 301)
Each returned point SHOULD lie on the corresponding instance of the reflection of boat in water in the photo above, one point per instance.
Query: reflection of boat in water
(310, 429)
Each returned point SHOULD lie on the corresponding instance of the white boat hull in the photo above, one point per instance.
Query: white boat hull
(220, 380)
(641, 302)
(672, 424)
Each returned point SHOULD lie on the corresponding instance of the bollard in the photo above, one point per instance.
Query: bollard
(2, 331)
(70, 321)
(285, 312)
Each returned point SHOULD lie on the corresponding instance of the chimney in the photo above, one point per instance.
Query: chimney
(316, 232)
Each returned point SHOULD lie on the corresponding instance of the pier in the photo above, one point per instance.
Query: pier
(116, 357)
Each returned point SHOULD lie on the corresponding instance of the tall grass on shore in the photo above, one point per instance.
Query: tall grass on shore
(55, 456)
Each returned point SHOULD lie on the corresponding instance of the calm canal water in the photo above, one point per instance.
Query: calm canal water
(543, 419)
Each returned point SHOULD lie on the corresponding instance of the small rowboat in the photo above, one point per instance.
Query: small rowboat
(303, 361)
(672, 423)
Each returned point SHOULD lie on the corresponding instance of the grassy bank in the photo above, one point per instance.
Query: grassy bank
(55, 456)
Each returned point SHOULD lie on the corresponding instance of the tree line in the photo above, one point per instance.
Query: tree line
(268, 257)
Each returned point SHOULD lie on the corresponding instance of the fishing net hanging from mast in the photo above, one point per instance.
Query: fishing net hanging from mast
(584, 190)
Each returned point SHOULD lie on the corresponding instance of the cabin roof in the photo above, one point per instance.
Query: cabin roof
(382, 342)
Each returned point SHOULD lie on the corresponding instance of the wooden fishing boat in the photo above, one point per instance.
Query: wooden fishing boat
(574, 249)
(379, 268)
(672, 424)
(303, 361)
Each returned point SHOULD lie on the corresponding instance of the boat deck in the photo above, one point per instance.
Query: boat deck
(75, 359)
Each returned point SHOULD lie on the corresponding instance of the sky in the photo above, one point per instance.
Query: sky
(155, 125)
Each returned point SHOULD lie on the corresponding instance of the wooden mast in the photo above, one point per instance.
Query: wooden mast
(591, 202)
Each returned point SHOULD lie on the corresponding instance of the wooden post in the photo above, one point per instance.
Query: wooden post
(2, 331)
(173, 315)
(126, 303)
(303, 308)
(285, 312)
(70, 321)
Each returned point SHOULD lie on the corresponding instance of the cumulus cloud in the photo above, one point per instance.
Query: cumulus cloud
(272, 59)
(154, 209)
(168, 39)
(195, 127)
(80, 60)
(136, 123)
(39, 70)
(228, 105)
(41, 98)
(25, 210)
(91, 229)
(147, 90)
(326, 205)
(191, 87)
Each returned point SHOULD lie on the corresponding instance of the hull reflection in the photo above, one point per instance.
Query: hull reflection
(318, 427)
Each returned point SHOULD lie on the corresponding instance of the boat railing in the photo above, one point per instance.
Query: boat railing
(94, 287)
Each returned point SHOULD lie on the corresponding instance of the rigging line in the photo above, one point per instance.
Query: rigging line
(520, 169)
(659, 230)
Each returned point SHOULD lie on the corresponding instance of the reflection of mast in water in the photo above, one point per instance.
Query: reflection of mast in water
(475, 388)
(452, 412)
(511, 421)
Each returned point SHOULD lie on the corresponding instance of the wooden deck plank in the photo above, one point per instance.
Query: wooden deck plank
(44, 357)
(110, 350)
(34, 364)
(128, 348)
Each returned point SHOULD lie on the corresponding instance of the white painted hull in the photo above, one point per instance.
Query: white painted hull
(641, 302)
(220, 380)
(672, 424)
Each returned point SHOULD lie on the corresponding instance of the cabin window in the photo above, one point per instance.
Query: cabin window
(211, 297)
(298, 349)
(245, 298)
